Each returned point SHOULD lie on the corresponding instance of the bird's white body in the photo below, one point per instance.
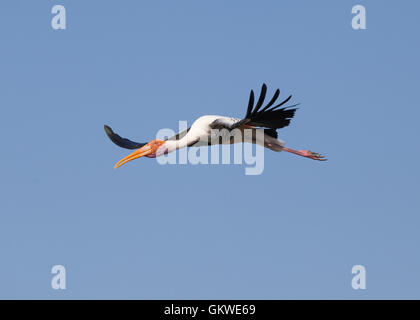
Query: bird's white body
(202, 131)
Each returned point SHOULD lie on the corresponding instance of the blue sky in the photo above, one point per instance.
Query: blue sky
(148, 231)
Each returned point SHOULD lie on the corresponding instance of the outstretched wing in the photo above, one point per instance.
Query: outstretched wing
(128, 144)
(269, 116)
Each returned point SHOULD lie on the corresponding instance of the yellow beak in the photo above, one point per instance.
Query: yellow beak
(143, 151)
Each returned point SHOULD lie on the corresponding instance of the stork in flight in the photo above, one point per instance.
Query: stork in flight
(263, 121)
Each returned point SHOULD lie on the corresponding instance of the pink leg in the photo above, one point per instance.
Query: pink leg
(306, 153)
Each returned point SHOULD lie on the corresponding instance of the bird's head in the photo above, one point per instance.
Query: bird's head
(152, 149)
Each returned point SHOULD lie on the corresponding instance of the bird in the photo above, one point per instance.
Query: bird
(261, 122)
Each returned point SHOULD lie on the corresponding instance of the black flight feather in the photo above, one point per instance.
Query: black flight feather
(268, 117)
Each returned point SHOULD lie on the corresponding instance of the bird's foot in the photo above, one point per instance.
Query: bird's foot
(312, 155)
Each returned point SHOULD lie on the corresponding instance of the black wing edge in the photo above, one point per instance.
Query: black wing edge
(268, 117)
(122, 142)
